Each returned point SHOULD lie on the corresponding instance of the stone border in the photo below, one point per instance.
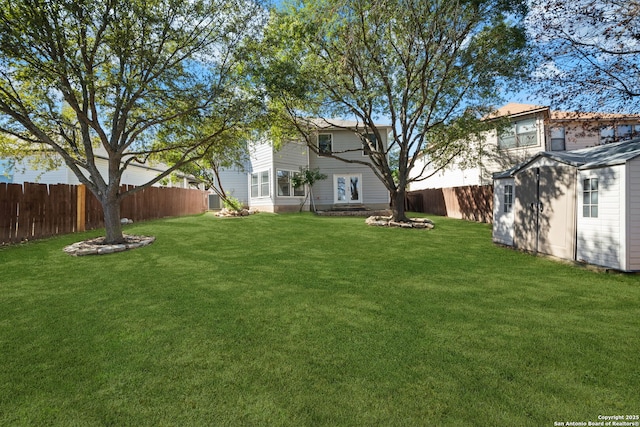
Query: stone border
(97, 247)
(385, 221)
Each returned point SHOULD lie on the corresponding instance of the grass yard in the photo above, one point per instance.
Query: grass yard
(298, 320)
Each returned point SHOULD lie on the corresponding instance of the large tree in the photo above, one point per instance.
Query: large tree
(589, 53)
(426, 67)
(132, 78)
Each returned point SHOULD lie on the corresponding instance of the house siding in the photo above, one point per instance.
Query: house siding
(290, 157)
(133, 175)
(633, 215)
(234, 183)
(374, 193)
(601, 240)
(579, 136)
(262, 160)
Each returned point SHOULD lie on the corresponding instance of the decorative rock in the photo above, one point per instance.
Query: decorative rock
(384, 221)
(126, 221)
(97, 247)
(228, 213)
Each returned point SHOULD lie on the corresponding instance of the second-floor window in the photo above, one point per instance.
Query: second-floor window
(625, 132)
(325, 143)
(521, 134)
(557, 138)
(374, 143)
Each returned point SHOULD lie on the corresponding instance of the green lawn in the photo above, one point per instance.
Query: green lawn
(303, 321)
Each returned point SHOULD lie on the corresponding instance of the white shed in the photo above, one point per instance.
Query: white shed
(581, 205)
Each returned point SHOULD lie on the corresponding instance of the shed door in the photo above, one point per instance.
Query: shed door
(503, 217)
(545, 216)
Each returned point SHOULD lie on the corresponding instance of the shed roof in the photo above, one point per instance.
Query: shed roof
(585, 158)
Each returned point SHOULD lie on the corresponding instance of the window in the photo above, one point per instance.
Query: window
(264, 184)
(607, 134)
(508, 198)
(285, 184)
(260, 184)
(590, 198)
(255, 187)
(298, 191)
(374, 143)
(325, 143)
(557, 138)
(625, 132)
(520, 134)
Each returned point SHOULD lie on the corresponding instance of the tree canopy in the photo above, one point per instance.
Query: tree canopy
(426, 68)
(588, 53)
(128, 78)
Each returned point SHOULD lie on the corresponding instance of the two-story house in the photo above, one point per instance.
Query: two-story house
(348, 185)
(532, 129)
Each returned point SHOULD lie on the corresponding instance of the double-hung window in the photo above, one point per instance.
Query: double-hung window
(590, 198)
(260, 184)
(508, 198)
(373, 142)
(285, 184)
(325, 143)
(557, 138)
(521, 134)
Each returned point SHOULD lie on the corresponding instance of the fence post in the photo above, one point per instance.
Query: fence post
(81, 205)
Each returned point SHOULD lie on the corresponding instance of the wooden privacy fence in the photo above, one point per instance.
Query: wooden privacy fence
(32, 211)
(473, 203)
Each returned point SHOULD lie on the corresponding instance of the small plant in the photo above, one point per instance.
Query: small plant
(232, 204)
(309, 177)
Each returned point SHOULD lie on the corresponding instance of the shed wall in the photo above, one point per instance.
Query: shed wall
(633, 215)
(601, 240)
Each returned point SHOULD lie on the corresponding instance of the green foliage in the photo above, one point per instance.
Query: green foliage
(130, 80)
(232, 203)
(258, 322)
(307, 177)
(421, 65)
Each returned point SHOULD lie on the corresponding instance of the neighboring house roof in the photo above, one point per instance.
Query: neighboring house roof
(514, 109)
(334, 124)
(579, 116)
(586, 158)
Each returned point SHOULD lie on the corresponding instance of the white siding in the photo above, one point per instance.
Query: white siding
(261, 159)
(234, 183)
(24, 171)
(503, 222)
(489, 160)
(290, 157)
(577, 136)
(601, 240)
(374, 193)
(452, 176)
(633, 214)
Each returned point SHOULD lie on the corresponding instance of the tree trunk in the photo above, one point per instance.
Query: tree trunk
(112, 225)
(398, 206)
